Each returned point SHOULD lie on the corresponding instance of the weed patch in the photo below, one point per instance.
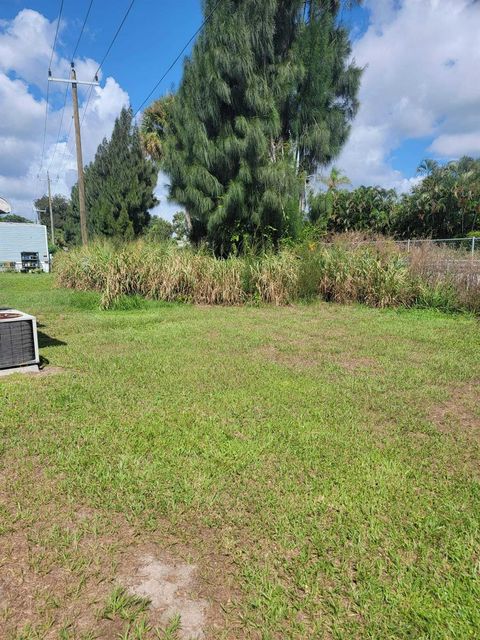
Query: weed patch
(344, 274)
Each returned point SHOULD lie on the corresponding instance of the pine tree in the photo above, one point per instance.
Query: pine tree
(119, 184)
(325, 99)
(266, 98)
(65, 232)
(60, 210)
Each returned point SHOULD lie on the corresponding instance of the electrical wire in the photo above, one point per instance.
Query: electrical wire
(59, 128)
(109, 48)
(82, 29)
(66, 91)
(206, 20)
(86, 104)
(56, 33)
(48, 85)
(64, 155)
(119, 28)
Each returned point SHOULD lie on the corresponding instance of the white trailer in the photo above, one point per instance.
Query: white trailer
(23, 246)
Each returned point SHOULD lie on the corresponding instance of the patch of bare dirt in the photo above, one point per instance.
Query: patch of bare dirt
(43, 372)
(459, 413)
(307, 353)
(61, 560)
(173, 590)
(49, 370)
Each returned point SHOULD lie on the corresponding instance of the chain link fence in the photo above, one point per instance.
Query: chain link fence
(456, 260)
(457, 248)
(467, 247)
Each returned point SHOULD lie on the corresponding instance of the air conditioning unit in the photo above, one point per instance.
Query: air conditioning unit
(18, 339)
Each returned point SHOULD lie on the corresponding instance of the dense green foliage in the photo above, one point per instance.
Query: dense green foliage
(369, 209)
(154, 125)
(180, 226)
(119, 184)
(66, 231)
(444, 204)
(266, 98)
(159, 230)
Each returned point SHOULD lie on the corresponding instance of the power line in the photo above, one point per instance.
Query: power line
(119, 28)
(64, 155)
(66, 90)
(48, 84)
(206, 20)
(81, 31)
(45, 127)
(87, 103)
(109, 48)
(38, 189)
(60, 127)
(112, 42)
(56, 33)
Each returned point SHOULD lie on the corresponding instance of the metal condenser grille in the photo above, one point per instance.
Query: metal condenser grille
(16, 343)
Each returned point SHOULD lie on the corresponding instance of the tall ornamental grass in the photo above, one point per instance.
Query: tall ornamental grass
(339, 273)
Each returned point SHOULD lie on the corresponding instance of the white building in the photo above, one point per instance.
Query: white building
(23, 246)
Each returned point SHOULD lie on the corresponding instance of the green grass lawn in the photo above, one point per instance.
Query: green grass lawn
(318, 464)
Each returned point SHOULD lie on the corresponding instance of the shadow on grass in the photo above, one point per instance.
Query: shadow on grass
(45, 340)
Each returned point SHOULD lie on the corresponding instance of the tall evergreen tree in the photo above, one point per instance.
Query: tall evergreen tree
(266, 98)
(61, 209)
(119, 183)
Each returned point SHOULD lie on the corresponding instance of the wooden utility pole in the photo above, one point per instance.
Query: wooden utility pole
(52, 232)
(78, 140)
(81, 178)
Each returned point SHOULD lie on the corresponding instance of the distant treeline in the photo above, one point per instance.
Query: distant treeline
(444, 204)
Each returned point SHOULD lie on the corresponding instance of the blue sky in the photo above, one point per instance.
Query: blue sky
(420, 94)
(151, 38)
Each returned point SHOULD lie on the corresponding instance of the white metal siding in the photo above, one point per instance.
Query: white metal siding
(16, 237)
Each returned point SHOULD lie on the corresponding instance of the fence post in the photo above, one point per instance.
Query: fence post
(473, 248)
(408, 245)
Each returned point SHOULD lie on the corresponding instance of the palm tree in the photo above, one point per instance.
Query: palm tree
(154, 125)
(427, 167)
(335, 179)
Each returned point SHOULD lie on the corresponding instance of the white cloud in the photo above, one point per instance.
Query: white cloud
(20, 112)
(164, 209)
(422, 59)
(25, 48)
(454, 145)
